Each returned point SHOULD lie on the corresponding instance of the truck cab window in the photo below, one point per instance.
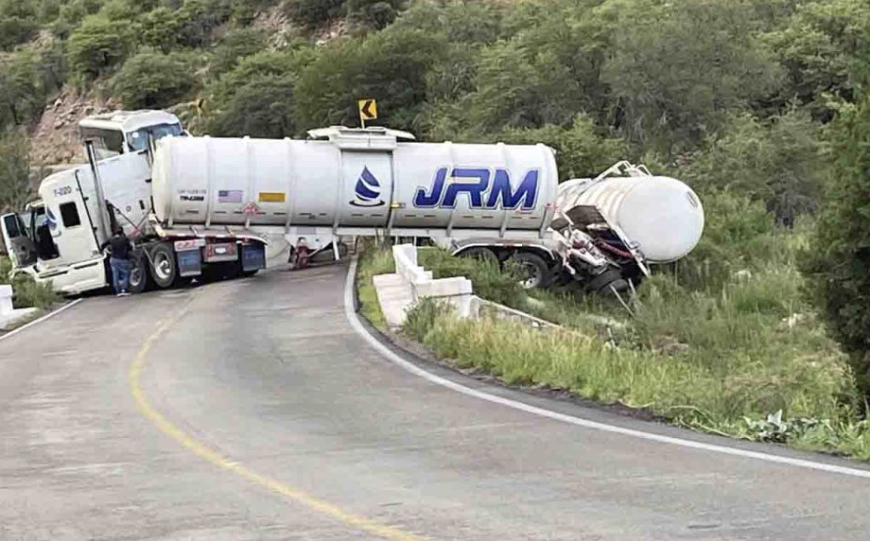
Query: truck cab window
(107, 143)
(69, 213)
(12, 225)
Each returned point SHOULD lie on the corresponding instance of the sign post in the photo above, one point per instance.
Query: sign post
(368, 110)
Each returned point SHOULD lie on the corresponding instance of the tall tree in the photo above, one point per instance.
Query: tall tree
(99, 46)
(677, 69)
(16, 185)
(21, 92)
(839, 262)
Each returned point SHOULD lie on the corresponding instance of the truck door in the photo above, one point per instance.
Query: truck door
(71, 224)
(21, 249)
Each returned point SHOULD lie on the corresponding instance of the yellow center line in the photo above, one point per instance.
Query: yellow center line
(167, 427)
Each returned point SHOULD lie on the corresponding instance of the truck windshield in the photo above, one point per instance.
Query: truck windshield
(138, 140)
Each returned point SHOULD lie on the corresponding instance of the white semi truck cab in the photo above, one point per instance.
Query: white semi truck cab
(57, 238)
(125, 132)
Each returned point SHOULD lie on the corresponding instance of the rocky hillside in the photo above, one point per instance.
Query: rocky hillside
(71, 58)
(55, 138)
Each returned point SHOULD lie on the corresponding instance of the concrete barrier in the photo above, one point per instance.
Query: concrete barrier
(400, 292)
(9, 316)
(484, 307)
(5, 300)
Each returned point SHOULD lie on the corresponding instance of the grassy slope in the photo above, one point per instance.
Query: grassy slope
(720, 360)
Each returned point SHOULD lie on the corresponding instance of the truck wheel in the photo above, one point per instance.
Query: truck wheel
(479, 252)
(535, 273)
(602, 283)
(164, 268)
(138, 272)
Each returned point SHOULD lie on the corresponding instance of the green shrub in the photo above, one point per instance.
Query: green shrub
(778, 163)
(199, 19)
(461, 22)
(581, 151)
(153, 80)
(71, 13)
(820, 48)
(161, 29)
(16, 175)
(233, 47)
(22, 89)
(376, 259)
(29, 294)
(18, 23)
(374, 13)
(390, 66)
(5, 269)
(99, 46)
(314, 13)
(15, 31)
(682, 68)
(491, 282)
(258, 97)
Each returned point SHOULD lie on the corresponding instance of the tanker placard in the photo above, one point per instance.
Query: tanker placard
(272, 197)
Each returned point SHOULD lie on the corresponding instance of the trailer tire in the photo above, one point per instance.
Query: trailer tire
(602, 283)
(536, 271)
(139, 275)
(164, 267)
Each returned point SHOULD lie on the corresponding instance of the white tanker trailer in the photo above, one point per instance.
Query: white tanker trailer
(198, 205)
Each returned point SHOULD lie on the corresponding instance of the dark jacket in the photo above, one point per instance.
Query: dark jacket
(120, 245)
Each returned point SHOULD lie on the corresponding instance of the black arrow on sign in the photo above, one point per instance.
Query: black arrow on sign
(367, 108)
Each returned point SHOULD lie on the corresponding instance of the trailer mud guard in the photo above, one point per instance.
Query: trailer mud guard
(253, 257)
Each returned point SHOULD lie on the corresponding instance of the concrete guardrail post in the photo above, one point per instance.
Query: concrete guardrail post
(5, 300)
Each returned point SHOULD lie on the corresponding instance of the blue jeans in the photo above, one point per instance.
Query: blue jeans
(120, 274)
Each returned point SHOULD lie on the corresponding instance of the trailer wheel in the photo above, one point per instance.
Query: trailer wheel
(138, 272)
(607, 281)
(535, 273)
(164, 268)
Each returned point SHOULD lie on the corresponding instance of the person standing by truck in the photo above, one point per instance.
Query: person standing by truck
(119, 261)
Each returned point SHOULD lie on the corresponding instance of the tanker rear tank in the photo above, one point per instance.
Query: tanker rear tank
(662, 215)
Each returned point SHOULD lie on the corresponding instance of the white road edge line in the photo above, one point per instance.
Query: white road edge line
(353, 318)
(47, 316)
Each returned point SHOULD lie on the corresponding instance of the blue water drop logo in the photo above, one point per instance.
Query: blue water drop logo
(367, 191)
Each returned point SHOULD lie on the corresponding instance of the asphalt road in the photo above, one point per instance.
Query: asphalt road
(253, 410)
